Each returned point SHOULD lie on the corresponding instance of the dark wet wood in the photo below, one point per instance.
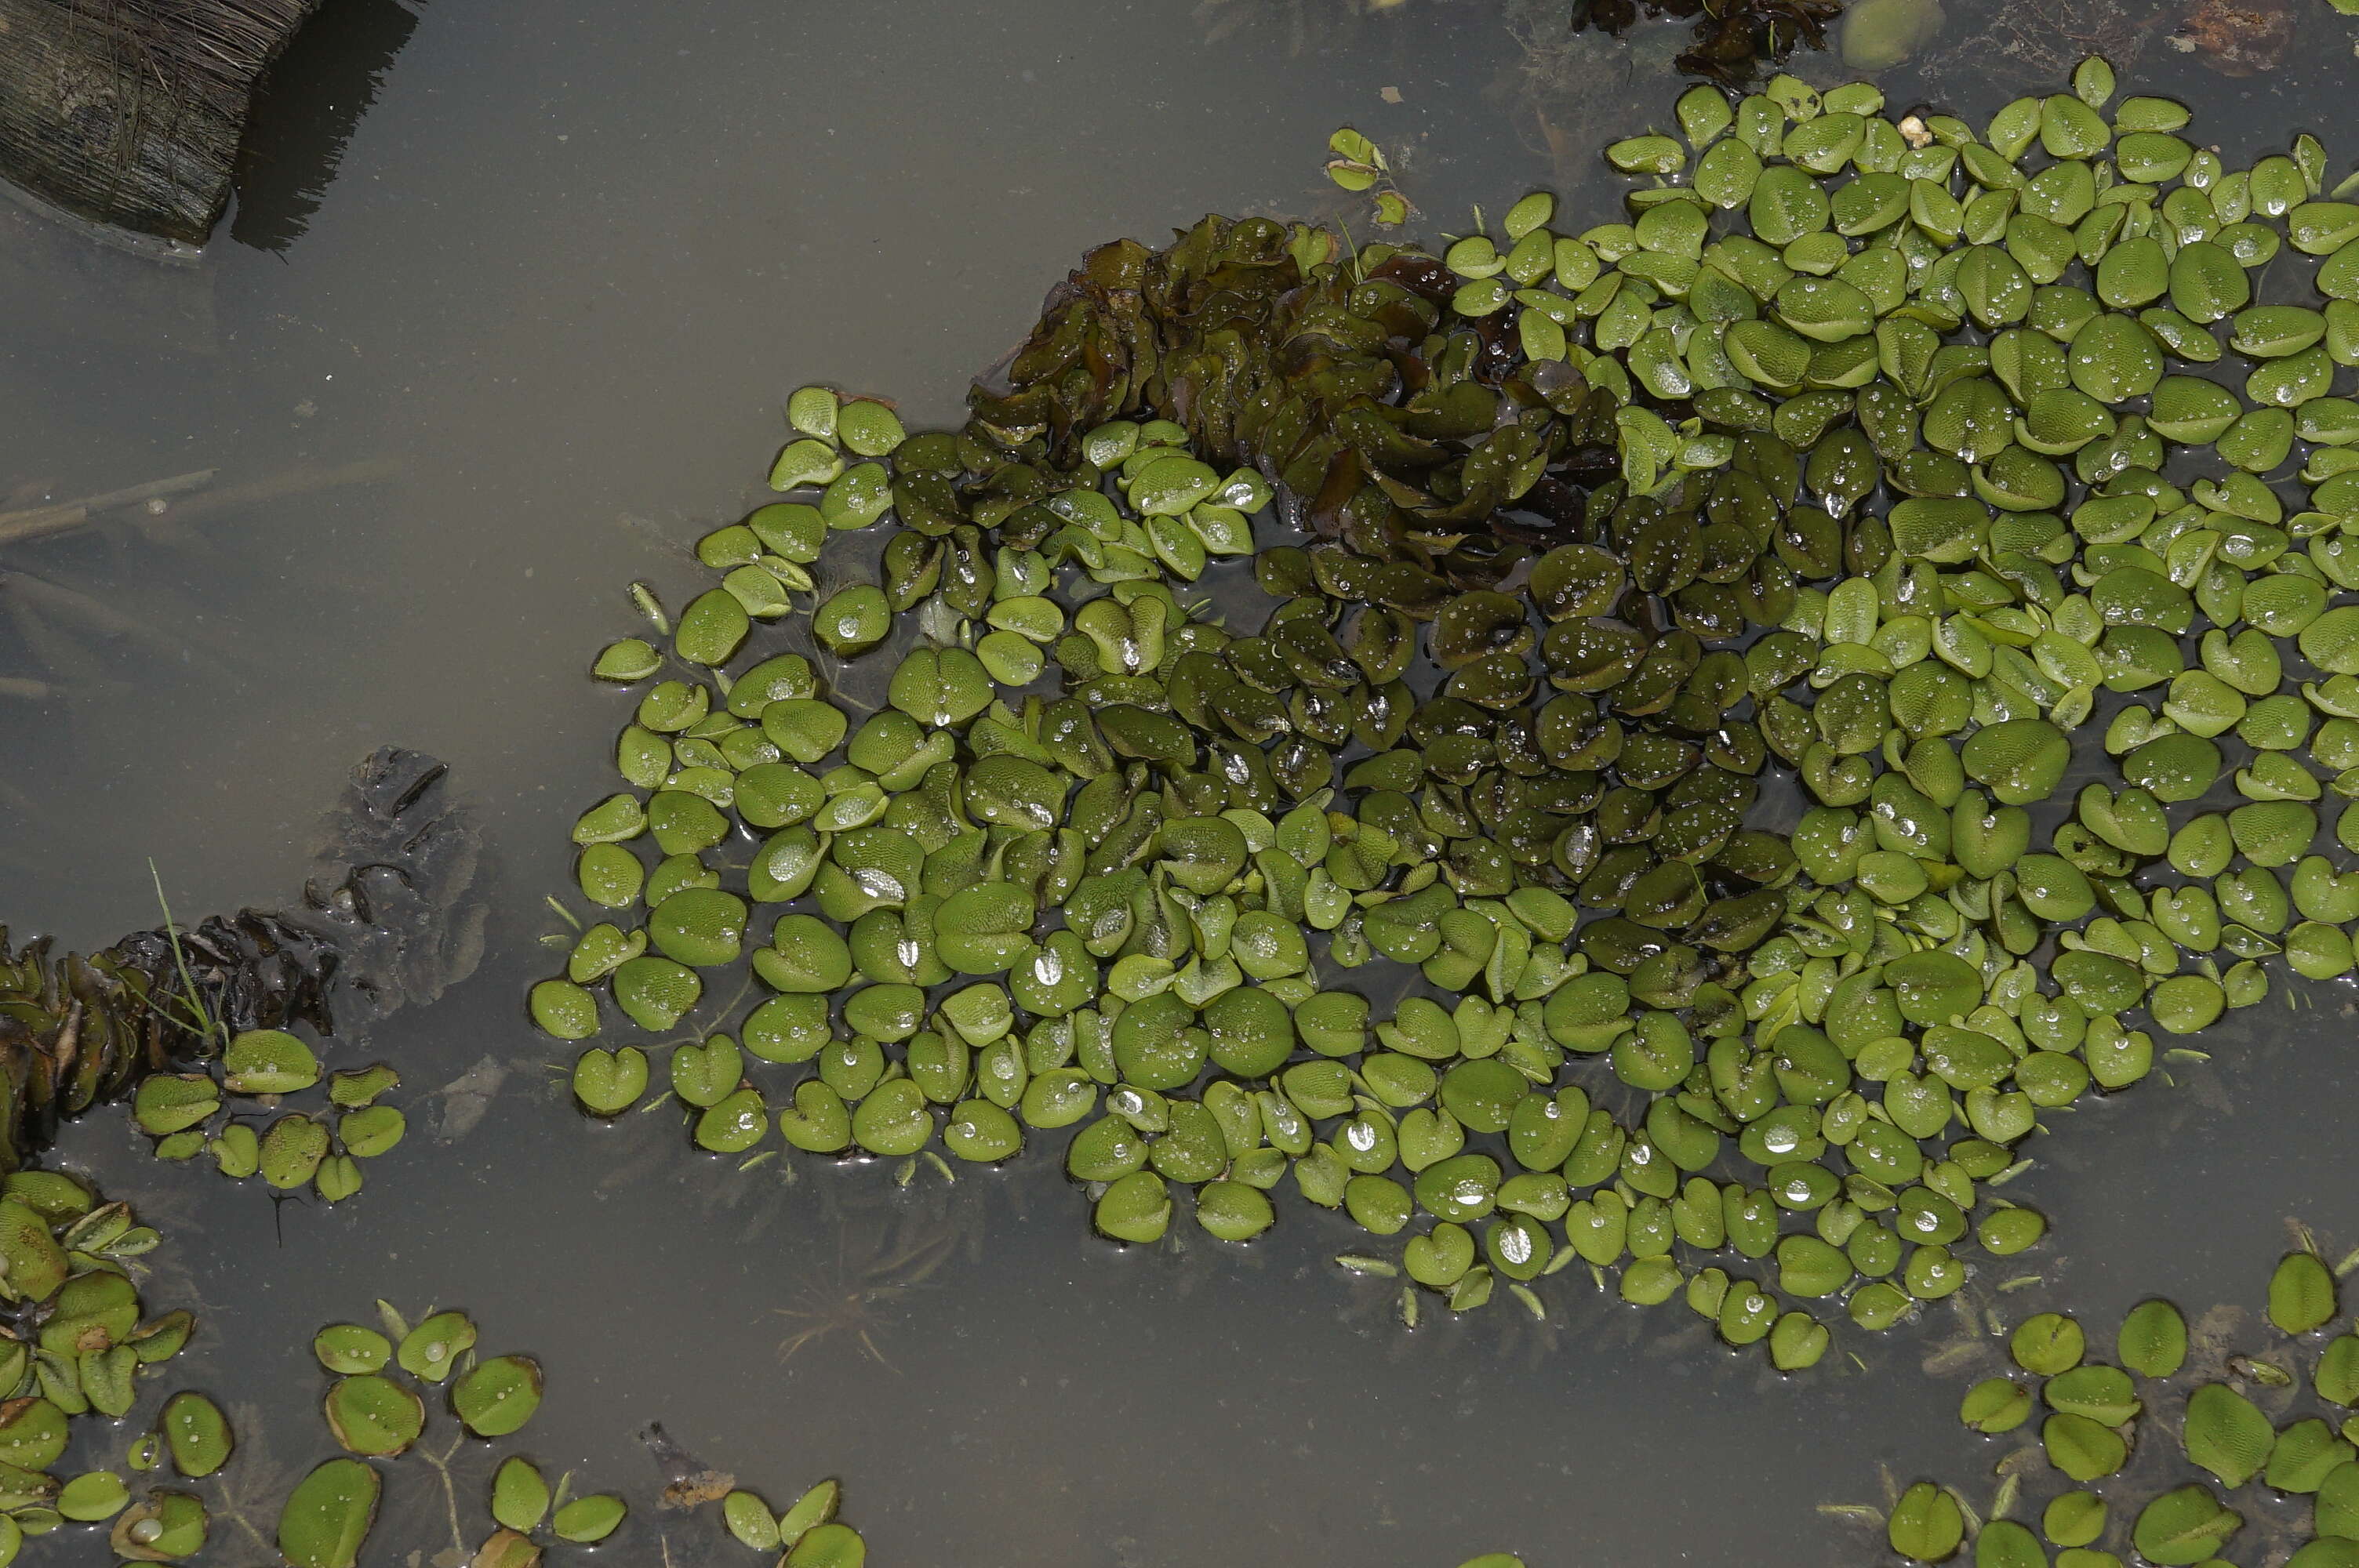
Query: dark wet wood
(128, 113)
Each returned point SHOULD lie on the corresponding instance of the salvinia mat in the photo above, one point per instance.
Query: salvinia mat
(78, 1346)
(393, 1391)
(2194, 1440)
(1793, 683)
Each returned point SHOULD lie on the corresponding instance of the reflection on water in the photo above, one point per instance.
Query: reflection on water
(305, 112)
(878, 1257)
(563, 278)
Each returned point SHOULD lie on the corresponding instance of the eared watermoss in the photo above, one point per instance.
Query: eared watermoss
(1773, 694)
(2179, 1441)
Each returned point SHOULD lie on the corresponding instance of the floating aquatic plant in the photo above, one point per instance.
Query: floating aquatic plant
(807, 1532)
(191, 1022)
(1836, 469)
(389, 1380)
(2178, 1441)
(77, 1341)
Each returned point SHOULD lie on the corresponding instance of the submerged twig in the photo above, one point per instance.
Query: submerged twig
(294, 482)
(72, 603)
(39, 521)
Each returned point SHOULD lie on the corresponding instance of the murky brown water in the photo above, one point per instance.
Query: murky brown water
(569, 263)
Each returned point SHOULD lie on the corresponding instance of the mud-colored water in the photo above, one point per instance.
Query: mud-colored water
(569, 261)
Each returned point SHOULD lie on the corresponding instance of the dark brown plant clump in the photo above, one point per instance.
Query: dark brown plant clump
(2237, 37)
(397, 926)
(1452, 453)
(1732, 37)
(1436, 467)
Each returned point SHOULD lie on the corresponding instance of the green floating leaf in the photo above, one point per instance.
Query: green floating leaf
(589, 1519)
(711, 628)
(2003, 1543)
(2184, 1526)
(812, 410)
(2302, 1293)
(339, 1177)
(749, 1519)
(2153, 1339)
(268, 1062)
(329, 1515)
(371, 1130)
(1926, 1525)
(158, 1342)
(519, 1495)
(814, 1508)
(610, 1083)
(197, 1434)
(2101, 1393)
(2227, 1434)
(2093, 81)
(870, 427)
(167, 1103)
(565, 1010)
(374, 1416)
(93, 1496)
(2081, 1448)
(432, 1349)
(356, 1089)
(167, 1527)
(1347, 143)
(632, 659)
(347, 1348)
(499, 1396)
(2305, 1454)
(107, 1378)
(32, 1264)
(829, 1546)
(2047, 1343)
(805, 462)
(292, 1150)
(2336, 1377)
(1995, 1405)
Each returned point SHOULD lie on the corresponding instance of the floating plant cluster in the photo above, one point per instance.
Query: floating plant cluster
(193, 1113)
(2180, 1447)
(1874, 461)
(196, 1024)
(80, 1345)
(77, 1031)
(808, 1531)
(93, 1030)
(377, 1409)
(76, 1342)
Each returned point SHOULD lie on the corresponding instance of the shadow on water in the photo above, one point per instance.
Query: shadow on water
(305, 113)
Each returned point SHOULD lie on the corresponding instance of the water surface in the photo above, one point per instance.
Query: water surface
(570, 260)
